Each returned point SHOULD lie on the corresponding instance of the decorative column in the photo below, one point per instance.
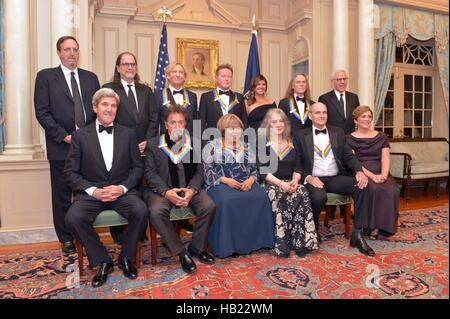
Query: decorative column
(64, 16)
(341, 35)
(366, 53)
(19, 139)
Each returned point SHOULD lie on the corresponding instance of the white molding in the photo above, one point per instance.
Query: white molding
(225, 14)
(305, 16)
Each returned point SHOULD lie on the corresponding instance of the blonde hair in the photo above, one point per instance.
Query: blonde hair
(287, 124)
(226, 121)
(357, 112)
(170, 67)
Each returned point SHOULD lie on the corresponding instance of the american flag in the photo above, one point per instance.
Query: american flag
(163, 61)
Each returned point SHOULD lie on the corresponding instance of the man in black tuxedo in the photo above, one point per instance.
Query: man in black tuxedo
(62, 101)
(297, 102)
(175, 179)
(137, 109)
(340, 102)
(329, 165)
(221, 101)
(103, 168)
(176, 94)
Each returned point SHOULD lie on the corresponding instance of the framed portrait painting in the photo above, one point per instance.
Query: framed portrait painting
(200, 59)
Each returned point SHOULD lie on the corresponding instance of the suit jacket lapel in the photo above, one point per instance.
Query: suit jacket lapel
(86, 104)
(124, 98)
(96, 149)
(310, 147)
(117, 148)
(141, 100)
(347, 108)
(61, 80)
(335, 146)
(335, 101)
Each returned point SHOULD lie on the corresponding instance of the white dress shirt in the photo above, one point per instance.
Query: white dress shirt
(300, 105)
(338, 95)
(133, 88)
(323, 167)
(107, 147)
(178, 98)
(68, 75)
(225, 98)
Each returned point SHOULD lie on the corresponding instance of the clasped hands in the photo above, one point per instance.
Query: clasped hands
(378, 179)
(289, 187)
(244, 186)
(108, 193)
(174, 198)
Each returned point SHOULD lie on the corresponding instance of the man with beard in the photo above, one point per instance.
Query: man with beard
(175, 180)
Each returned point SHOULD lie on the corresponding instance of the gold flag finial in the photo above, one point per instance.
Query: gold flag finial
(254, 23)
(164, 13)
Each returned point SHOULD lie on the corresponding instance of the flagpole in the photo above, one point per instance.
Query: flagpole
(163, 55)
(253, 58)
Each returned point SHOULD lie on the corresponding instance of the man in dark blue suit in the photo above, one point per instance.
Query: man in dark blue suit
(63, 103)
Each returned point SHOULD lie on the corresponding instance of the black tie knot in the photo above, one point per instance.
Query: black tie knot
(177, 92)
(224, 92)
(301, 99)
(108, 129)
(324, 131)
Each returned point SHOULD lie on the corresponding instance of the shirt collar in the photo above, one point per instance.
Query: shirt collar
(67, 71)
(125, 83)
(97, 124)
(171, 88)
(316, 128)
(338, 94)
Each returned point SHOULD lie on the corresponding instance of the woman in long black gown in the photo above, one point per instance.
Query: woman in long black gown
(372, 150)
(256, 103)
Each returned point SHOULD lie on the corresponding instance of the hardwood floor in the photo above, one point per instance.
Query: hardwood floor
(419, 199)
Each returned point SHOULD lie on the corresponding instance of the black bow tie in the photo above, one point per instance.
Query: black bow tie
(177, 92)
(224, 92)
(324, 131)
(108, 129)
(302, 99)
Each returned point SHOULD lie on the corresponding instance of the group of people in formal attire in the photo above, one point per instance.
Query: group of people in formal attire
(126, 148)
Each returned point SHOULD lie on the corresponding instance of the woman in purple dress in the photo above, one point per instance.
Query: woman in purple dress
(372, 150)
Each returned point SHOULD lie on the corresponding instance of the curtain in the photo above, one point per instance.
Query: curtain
(441, 39)
(2, 113)
(384, 60)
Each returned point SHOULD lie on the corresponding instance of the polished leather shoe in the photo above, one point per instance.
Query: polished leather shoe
(128, 268)
(359, 242)
(203, 256)
(187, 263)
(102, 274)
(68, 248)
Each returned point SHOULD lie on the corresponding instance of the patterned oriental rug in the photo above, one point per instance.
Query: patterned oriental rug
(411, 265)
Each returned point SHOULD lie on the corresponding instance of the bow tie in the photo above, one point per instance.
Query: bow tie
(177, 92)
(302, 99)
(224, 92)
(324, 131)
(108, 129)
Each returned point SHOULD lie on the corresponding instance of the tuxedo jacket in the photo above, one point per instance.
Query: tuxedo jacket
(336, 113)
(191, 109)
(210, 111)
(157, 172)
(146, 126)
(54, 107)
(296, 124)
(85, 166)
(343, 154)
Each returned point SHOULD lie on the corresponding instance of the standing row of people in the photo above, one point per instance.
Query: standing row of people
(113, 137)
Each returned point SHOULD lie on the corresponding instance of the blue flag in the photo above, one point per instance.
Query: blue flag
(163, 61)
(252, 63)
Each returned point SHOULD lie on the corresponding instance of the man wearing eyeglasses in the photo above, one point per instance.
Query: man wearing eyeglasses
(62, 101)
(137, 109)
(340, 102)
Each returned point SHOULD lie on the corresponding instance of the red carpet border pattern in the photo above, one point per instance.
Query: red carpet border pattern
(411, 265)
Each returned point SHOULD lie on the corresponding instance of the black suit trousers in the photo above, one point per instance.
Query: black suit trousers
(344, 185)
(83, 212)
(61, 200)
(204, 209)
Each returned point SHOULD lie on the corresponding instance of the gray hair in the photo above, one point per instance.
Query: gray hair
(333, 75)
(287, 124)
(105, 92)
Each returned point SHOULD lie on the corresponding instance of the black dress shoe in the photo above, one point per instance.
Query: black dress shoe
(234, 255)
(187, 263)
(68, 248)
(358, 241)
(301, 252)
(102, 274)
(128, 268)
(203, 256)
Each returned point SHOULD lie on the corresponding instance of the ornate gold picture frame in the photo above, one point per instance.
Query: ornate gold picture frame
(200, 58)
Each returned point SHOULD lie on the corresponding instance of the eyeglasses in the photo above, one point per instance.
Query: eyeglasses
(129, 65)
(341, 79)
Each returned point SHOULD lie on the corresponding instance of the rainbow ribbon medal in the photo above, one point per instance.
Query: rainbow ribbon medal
(323, 153)
(225, 109)
(166, 100)
(293, 110)
(281, 155)
(175, 158)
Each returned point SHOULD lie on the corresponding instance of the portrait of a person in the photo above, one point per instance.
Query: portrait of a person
(198, 63)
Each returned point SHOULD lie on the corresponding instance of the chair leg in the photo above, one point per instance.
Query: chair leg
(348, 213)
(407, 191)
(437, 189)
(79, 248)
(138, 254)
(427, 184)
(327, 215)
(153, 244)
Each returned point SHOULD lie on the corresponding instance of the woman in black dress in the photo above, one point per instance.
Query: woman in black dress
(256, 103)
(291, 205)
(372, 150)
